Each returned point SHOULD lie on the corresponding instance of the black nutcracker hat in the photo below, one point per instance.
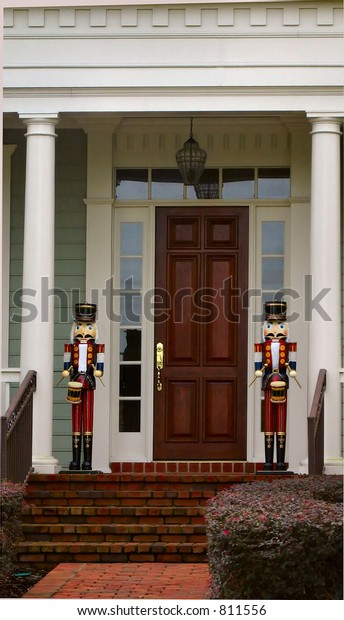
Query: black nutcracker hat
(85, 312)
(275, 310)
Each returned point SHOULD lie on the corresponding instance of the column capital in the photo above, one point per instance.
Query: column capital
(34, 117)
(40, 124)
(325, 124)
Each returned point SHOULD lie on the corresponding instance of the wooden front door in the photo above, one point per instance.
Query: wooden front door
(201, 276)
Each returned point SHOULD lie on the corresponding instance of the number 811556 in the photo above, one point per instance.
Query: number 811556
(242, 610)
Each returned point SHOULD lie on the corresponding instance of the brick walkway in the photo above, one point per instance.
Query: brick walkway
(151, 580)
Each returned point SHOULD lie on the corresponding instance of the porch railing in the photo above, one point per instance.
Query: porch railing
(16, 433)
(315, 423)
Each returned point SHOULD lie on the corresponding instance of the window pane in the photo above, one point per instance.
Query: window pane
(273, 183)
(131, 184)
(130, 345)
(273, 273)
(130, 309)
(129, 416)
(166, 184)
(130, 380)
(131, 238)
(238, 183)
(131, 273)
(273, 238)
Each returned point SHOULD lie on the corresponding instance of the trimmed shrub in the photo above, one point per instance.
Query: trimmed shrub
(11, 503)
(277, 540)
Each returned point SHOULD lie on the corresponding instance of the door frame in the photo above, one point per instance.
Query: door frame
(118, 451)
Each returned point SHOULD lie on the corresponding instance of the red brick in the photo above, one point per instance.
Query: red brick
(238, 467)
(183, 467)
(227, 467)
(139, 467)
(149, 467)
(194, 467)
(160, 467)
(205, 467)
(216, 467)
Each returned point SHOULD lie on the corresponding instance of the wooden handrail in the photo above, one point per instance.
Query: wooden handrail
(315, 424)
(16, 432)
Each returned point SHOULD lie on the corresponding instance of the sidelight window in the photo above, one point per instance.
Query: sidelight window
(130, 358)
(273, 252)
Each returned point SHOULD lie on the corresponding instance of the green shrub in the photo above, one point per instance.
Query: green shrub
(11, 503)
(277, 540)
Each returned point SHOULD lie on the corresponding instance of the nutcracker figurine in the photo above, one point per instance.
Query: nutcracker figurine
(274, 358)
(83, 362)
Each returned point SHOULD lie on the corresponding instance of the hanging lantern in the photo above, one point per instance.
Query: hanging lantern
(208, 185)
(191, 160)
(207, 190)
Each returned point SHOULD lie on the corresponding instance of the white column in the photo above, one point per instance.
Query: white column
(37, 337)
(324, 311)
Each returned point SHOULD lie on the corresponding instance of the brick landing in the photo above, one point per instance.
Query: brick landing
(186, 467)
(124, 581)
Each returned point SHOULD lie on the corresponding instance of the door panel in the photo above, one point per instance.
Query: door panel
(182, 341)
(220, 343)
(219, 399)
(182, 398)
(201, 273)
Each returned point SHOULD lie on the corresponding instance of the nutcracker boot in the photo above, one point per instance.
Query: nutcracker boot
(75, 463)
(281, 466)
(269, 451)
(87, 464)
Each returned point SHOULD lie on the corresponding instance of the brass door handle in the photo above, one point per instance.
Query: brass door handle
(159, 364)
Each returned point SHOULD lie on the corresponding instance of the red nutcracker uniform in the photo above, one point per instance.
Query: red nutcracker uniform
(83, 362)
(273, 358)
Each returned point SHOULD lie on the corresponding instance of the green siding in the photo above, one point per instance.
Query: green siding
(70, 259)
(70, 265)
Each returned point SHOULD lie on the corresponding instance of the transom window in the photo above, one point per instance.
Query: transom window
(225, 183)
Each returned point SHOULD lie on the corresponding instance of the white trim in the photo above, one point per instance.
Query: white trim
(139, 446)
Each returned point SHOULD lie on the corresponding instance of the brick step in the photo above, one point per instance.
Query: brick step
(111, 532)
(141, 516)
(100, 493)
(47, 554)
(113, 514)
(109, 500)
(136, 481)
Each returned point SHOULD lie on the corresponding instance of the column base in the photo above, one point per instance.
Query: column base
(334, 466)
(45, 465)
(331, 466)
